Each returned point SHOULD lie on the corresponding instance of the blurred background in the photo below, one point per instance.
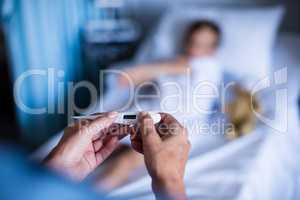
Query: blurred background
(76, 38)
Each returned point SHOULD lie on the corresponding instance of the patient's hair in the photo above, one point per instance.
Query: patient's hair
(200, 25)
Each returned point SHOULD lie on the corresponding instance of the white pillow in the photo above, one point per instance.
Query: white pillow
(248, 35)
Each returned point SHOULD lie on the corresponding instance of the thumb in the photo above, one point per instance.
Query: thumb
(150, 137)
(96, 127)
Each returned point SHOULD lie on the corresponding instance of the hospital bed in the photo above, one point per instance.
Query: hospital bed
(261, 165)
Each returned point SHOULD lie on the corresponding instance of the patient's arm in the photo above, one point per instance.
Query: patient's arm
(147, 72)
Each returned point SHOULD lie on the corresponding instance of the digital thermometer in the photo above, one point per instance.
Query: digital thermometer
(124, 118)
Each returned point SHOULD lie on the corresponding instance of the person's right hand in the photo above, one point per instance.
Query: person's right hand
(165, 148)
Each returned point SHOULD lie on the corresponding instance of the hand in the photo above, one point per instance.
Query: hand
(165, 148)
(84, 146)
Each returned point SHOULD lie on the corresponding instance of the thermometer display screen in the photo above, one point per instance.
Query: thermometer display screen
(129, 117)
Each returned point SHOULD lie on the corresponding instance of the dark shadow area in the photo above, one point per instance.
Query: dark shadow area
(9, 128)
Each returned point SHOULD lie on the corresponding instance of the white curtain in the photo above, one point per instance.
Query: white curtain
(43, 34)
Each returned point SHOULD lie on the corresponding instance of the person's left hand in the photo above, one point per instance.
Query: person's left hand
(85, 145)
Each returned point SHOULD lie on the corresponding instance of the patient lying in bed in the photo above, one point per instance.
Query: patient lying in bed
(197, 62)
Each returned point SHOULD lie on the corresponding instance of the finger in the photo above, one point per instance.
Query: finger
(169, 126)
(147, 129)
(136, 140)
(119, 130)
(110, 131)
(97, 145)
(135, 135)
(79, 124)
(96, 126)
(168, 119)
(137, 146)
(106, 150)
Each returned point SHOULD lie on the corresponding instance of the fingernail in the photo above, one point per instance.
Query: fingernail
(112, 114)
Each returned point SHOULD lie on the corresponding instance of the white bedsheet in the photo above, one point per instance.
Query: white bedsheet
(263, 165)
